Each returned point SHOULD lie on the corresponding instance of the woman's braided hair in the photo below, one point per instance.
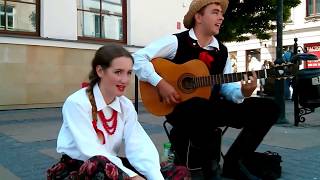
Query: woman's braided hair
(103, 57)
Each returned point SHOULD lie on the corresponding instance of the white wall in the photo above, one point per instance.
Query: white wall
(147, 19)
(152, 19)
(59, 19)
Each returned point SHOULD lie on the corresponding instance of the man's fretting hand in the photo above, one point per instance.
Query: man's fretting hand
(248, 85)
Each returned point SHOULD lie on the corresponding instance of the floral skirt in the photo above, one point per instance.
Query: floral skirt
(100, 168)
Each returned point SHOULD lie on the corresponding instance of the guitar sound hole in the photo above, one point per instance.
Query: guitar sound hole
(186, 84)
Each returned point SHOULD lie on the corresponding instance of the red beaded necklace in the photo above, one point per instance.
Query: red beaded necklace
(109, 129)
(113, 121)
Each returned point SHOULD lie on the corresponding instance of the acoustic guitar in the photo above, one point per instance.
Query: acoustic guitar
(192, 79)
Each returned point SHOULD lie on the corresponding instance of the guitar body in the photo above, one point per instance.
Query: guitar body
(179, 76)
(192, 79)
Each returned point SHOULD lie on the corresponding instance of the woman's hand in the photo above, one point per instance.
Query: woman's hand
(137, 178)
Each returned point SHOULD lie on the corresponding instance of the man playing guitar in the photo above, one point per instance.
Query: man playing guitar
(229, 104)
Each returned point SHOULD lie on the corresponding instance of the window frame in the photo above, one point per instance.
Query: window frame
(103, 39)
(36, 33)
(314, 9)
(6, 17)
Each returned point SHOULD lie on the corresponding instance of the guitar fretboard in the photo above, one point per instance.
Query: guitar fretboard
(226, 78)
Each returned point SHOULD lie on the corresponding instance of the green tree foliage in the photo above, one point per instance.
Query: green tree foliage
(256, 17)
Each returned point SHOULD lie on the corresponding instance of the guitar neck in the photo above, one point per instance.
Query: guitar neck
(226, 78)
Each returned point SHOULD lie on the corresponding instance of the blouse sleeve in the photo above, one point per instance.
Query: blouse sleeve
(164, 47)
(139, 148)
(78, 120)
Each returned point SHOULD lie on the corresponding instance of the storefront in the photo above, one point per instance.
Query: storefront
(313, 48)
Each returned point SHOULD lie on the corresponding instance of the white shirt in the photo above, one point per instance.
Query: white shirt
(166, 47)
(78, 139)
(255, 64)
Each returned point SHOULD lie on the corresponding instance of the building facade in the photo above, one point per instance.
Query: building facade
(304, 24)
(46, 46)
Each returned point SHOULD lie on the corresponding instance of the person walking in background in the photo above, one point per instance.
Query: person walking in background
(234, 61)
(230, 104)
(97, 118)
(287, 57)
(262, 81)
(254, 64)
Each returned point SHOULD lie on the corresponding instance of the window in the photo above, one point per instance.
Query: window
(102, 20)
(6, 18)
(313, 8)
(19, 17)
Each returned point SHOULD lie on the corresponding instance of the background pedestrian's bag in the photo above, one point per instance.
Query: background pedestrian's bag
(266, 165)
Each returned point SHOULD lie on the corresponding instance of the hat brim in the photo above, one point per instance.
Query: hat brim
(195, 7)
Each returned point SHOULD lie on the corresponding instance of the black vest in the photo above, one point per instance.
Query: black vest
(189, 49)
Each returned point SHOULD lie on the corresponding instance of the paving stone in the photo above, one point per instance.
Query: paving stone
(26, 153)
(7, 174)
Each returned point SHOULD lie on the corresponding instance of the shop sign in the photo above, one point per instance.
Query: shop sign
(313, 48)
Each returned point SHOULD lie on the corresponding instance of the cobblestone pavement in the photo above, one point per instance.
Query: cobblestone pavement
(28, 141)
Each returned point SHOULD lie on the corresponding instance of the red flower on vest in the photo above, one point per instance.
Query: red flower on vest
(206, 58)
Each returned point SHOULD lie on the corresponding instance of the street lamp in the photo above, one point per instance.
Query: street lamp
(279, 84)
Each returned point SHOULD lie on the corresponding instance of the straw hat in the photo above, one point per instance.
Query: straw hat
(196, 5)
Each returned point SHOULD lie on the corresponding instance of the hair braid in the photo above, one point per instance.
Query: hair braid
(93, 79)
(92, 101)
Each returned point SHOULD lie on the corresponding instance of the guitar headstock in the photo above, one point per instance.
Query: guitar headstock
(282, 71)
